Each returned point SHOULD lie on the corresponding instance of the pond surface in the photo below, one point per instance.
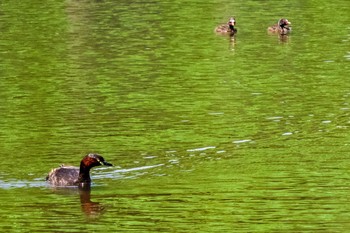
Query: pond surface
(207, 133)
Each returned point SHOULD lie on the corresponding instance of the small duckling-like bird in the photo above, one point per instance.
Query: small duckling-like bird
(282, 27)
(75, 176)
(227, 28)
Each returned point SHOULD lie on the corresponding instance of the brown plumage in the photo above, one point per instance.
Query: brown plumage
(227, 28)
(282, 27)
(76, 176)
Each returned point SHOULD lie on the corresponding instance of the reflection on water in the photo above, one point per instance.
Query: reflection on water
(284, 38)
(204, 139)
(90, 208)
(232, 42)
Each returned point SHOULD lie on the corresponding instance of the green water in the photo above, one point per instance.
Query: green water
(208, 133)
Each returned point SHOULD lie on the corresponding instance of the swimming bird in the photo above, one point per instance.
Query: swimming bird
(227, 28)
(282, 27)
(75, 176)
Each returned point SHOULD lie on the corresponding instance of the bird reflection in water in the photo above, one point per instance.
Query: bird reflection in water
(232, 42)
(283, 38)
(90, 208)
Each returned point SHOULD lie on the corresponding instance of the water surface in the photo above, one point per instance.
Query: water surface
(208, 133)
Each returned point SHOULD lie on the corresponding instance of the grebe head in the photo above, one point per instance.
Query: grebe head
(93, 160)
(283, 22)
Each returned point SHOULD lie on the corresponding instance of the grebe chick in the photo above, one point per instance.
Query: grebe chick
(227, 28)
(282, 27)
(75, 176)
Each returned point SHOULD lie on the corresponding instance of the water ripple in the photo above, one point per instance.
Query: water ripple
(201, 149)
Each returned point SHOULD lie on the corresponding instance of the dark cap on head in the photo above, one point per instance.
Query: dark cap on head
(99, 159)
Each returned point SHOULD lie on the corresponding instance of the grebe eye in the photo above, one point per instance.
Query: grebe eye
(100, 162)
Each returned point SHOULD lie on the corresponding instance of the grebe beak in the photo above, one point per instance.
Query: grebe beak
(106, 163)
